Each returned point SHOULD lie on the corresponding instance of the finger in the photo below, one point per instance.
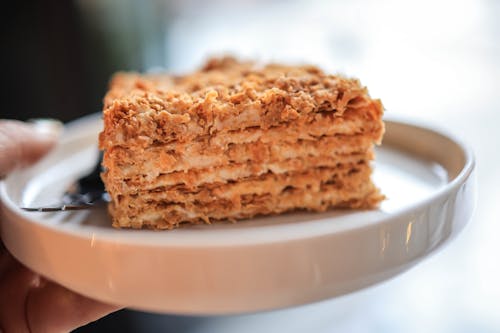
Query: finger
(15, 284)
(6, 260)
(21, 144)
(29, 303)
(52, 308)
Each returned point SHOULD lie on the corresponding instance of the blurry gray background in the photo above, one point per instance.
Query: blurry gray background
(437, 62)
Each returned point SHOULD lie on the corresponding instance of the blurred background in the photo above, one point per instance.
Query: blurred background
(436, 62)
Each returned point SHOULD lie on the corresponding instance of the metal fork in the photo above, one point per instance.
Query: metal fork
(85, 193)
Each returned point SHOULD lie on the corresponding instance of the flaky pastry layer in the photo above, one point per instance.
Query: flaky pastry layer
(235, 140)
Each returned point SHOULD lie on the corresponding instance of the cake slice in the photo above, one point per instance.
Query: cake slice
(234, 140)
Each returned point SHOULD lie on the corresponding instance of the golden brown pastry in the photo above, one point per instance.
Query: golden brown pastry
(234, 140)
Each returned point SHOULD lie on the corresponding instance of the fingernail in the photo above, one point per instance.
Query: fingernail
(47, 128)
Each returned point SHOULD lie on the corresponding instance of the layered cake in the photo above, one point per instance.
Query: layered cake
(235, 140)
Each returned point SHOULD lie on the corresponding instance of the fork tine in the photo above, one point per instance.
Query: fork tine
(83, 194)
(57, 209)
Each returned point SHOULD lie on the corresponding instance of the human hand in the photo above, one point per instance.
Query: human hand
(28, 302)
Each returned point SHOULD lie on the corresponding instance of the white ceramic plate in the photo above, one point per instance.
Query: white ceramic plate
(258, 264)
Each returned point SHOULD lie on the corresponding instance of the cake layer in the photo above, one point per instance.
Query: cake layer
(140, 109)
(346, 177)
(163, 215)
(230, 173)
(149, 127)
(122, 163)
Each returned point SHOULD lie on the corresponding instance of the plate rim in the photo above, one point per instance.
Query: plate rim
(154, 238)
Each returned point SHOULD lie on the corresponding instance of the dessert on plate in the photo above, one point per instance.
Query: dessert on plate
(234, 140)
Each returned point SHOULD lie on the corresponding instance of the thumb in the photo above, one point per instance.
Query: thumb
(22, 144)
